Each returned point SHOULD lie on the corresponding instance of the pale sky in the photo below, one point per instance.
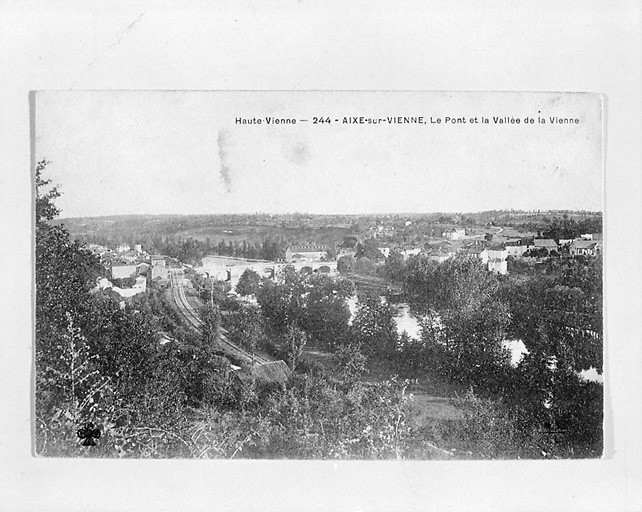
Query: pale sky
(153, 152)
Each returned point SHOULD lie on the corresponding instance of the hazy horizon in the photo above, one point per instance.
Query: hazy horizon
(337, 214)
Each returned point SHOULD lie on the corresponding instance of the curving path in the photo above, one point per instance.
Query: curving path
(178, 294)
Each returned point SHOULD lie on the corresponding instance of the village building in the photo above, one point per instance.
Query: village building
(306, 253)
(498, 266)
(346, 251)
(382, 231)
(123, 271)
(597, 237)
(517, 248)
(497, 252)
(439, 256)
(159, 282)
(140, 286)
(407, 253)
(142, 268)
(585, 248)
(129, 256)
(546, 243)
(440, 251)
(454, 233)
(476, 250)
(159, 271)
(493, 257)
(123, 248)
(97, 249)
(158, 260)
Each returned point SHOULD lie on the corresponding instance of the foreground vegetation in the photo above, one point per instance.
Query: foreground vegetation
(102, 361)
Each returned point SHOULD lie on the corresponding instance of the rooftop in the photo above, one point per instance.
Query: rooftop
(584, 244)
(545, 242)
(308, 248)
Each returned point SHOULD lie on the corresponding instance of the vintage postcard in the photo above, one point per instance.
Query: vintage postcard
(318, 275)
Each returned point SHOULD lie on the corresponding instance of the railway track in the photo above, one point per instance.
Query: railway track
(178, 293)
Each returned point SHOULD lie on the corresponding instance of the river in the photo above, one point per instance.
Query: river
(407, 322)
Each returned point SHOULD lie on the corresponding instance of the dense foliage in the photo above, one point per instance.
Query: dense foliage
(467, 314)
(154, 387)
(100, 360)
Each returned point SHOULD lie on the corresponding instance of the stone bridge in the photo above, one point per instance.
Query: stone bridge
(231, 269)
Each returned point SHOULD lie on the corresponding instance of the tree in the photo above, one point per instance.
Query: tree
(247, 328)
(77, 392)
(395, 267)
(346, 264)
(365, 266)
(295, 341)
(559, 319)
(352, 362)
(369, 249)
(457, 283)
(283, 303)
(248, 283)
(210, 317)
(326, 312)
(271, 250)
(561, 316)
(373, 327)
(468, 320)
(190, 251)
(45, 208)
(65, 274)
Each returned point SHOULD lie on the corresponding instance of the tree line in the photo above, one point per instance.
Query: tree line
(151, 387)
(155, 388)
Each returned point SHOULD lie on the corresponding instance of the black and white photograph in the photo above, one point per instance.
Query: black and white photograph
(318, 275)
(330, 256)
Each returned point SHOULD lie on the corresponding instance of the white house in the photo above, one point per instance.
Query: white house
(158, 260)
(517, 248)
(585, 248)
(123, 271)
(497, 252)
(410, 252)
(306, 253)
(497, 265)
(546, 243)
(454, 233)
(129, 256)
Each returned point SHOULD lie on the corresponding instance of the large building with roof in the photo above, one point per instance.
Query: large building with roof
(546, 243)
(306, 252)
(123, 271)
(585, 248)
